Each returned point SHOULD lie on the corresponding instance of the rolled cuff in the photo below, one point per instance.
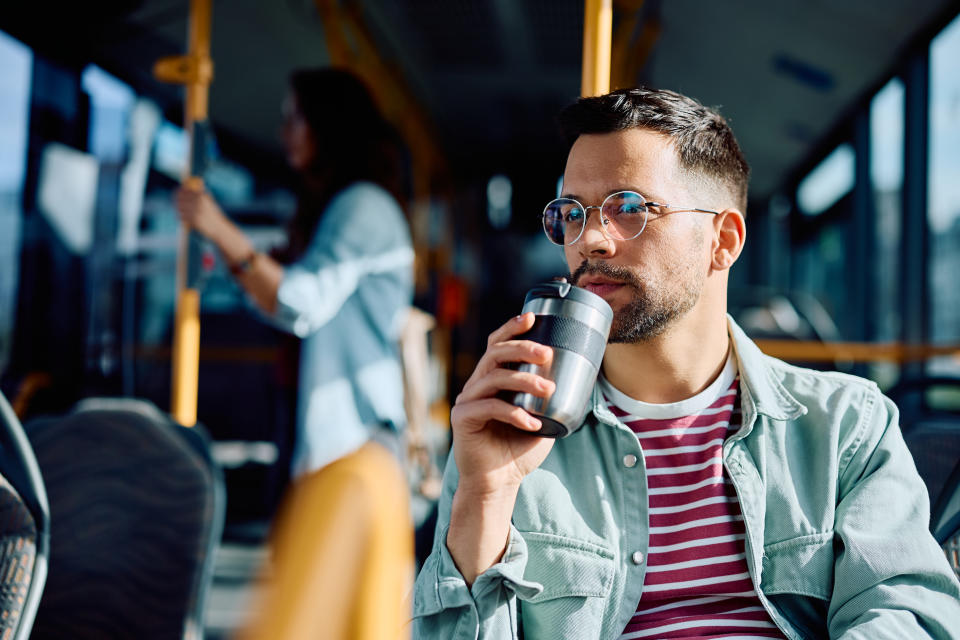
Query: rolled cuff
(440, 585)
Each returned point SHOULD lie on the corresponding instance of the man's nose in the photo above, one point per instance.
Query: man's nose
(595, 239)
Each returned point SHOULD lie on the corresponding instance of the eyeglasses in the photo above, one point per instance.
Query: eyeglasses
(623, 216)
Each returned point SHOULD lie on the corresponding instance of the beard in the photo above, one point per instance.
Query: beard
(652, 309)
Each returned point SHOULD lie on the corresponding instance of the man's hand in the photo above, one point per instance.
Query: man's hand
(493, 442)
(494, 446)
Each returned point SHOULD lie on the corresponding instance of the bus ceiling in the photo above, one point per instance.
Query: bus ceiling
(481, 82)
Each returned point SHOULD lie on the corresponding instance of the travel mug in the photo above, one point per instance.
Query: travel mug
(575, 324)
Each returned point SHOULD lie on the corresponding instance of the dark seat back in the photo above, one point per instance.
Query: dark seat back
(930, 420)
(136, 507)
(945, 518)
(931, 427)
(24, 529)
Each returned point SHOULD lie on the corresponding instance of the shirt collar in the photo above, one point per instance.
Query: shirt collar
(759, 385)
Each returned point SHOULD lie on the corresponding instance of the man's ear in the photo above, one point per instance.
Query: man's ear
(730, 233)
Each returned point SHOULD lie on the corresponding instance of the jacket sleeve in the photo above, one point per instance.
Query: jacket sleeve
(891, 579)
(362, 232)
(444, 608)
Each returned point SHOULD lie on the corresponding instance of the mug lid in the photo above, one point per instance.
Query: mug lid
(560, 288)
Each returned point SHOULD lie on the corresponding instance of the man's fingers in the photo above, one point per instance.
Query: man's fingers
(519, 351)
(514, 351)
(512, 327)
(477, 414)
(499, 380)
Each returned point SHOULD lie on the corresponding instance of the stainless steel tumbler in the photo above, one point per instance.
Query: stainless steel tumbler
(575, 324)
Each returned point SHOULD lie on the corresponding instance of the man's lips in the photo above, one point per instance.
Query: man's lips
(601, 287)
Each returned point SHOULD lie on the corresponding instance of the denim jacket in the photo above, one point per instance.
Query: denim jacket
(835, 513)
(348, 297)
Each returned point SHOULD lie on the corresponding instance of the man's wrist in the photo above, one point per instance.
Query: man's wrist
(479, 530)
(480, 492)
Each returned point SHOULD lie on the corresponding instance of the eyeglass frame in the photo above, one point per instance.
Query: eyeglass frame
(604, 221)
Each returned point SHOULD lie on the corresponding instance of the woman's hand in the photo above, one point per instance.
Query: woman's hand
(262, 275)
(200, 212)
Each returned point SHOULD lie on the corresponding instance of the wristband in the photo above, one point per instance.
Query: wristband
(239, 268)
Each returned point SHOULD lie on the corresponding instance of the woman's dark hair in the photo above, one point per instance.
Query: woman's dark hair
(704, 141)
(352, 142)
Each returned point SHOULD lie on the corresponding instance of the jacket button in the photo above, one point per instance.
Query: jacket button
(637, 557)
(629, 460)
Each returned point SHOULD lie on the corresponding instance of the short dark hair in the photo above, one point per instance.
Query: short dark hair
(704, 141)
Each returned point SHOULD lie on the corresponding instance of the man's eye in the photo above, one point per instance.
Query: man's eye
(574, 215)
(630, 208)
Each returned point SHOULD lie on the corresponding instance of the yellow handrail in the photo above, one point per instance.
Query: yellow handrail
(808, 351)
(597, 39)
(195, 71)
(797, 351)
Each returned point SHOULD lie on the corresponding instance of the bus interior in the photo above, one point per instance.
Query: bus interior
(848, 113)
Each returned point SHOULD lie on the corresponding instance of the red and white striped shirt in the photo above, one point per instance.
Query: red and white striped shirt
(697, 584)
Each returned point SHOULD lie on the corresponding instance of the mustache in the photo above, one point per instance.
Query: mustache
(604, 269)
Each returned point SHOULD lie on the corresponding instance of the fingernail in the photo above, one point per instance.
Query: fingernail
(534, 423)
(519, 318)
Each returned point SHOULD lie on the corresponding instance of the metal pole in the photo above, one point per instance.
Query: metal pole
(195, 71)
(915, 232)
(597, 41)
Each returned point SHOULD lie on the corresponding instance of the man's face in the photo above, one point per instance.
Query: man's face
(657, 277)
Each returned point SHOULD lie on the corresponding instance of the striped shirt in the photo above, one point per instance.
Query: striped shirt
(697, 584)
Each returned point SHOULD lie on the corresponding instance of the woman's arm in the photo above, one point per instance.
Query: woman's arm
(259, 274)
(363, 233)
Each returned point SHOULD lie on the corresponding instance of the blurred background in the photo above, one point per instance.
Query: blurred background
(848, 113)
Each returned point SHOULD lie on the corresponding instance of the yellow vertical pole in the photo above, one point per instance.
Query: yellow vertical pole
(597, 41)
(195, 71)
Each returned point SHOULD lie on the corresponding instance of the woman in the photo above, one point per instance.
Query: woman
(344, 283)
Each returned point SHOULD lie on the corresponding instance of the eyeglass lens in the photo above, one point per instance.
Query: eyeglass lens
(624, 215)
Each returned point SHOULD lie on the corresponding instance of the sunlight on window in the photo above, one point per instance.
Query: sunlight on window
(945, 128)
(828, 182)
(499, 193)
(944, 189)
(16, 61)
(110, 102)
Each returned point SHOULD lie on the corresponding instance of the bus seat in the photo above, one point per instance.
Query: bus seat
(136, 506)
(25, 529)
(343, 555)
(930, 421)
(945, 518)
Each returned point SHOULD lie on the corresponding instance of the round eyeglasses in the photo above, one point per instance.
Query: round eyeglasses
(623, 216)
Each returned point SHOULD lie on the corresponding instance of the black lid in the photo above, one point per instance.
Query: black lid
(560, 288)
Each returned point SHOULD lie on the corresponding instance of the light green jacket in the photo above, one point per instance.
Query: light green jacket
(836, 519)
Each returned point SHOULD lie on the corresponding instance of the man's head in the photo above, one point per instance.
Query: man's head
(704, 143)
(673, 151)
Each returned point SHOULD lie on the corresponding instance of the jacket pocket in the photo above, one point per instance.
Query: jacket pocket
(567, 567)
(798, 580)
(801, 566)
(577, 579)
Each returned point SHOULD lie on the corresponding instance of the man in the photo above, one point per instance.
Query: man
(711, 491)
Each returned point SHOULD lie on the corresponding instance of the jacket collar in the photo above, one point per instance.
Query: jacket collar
(763, 385)
(760, 385)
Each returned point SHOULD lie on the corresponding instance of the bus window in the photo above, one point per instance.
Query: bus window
(16, 60)
(944, 192)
